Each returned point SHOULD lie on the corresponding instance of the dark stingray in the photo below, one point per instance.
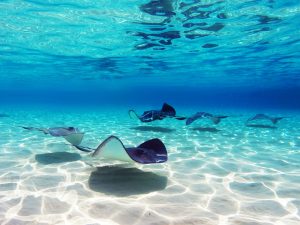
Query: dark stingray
(71, 134)
(120, 181)
(261, 126)
(4, 115)
(153, 129)
(200, 115)
(274, 120)
(151, 115)
(151, 151)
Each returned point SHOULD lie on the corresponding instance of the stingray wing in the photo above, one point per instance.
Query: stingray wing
(217, 119)
(168, 110)
(62, 131)
(151, 115)
(191, 119)
(112, 148)
(75, 138)
(151, 151)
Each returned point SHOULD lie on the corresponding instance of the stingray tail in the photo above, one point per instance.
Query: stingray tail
(84, 149)
(132, 112)
(44, 130)
(175, 117)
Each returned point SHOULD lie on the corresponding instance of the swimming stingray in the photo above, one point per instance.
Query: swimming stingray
(151, 151)
(274, 120)
(151, 115)
(71, 134)
(200, 115)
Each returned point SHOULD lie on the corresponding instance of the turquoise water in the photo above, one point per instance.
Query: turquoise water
(229, 43)
(86, 63)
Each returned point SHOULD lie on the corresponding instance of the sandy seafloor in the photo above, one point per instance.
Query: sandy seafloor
(224, 174)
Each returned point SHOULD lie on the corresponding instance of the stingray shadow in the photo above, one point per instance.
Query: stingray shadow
(154, 129)
(120, 181)
(206, 129)
(261, 126)
(57, 157)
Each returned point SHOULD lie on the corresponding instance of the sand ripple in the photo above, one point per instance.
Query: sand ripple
(238, 175)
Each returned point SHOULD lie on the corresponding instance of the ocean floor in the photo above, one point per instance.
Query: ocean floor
(225, 174)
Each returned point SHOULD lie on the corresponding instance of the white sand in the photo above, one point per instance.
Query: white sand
(235, 175)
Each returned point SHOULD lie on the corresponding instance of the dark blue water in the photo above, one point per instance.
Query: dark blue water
(201, 53)
(260, 99)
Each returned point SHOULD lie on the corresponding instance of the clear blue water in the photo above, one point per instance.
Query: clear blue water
(85, 63)
(182, 44)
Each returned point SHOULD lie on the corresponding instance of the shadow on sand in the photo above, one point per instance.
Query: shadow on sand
(206, 129)
(57, 157)
(261, 126)
(154, 129)
(120, 181)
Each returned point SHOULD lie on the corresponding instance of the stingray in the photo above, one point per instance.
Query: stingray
(4, 115)
(151, 151)
(200, 115)
(151, 115)
(71, 134)
(274, 120)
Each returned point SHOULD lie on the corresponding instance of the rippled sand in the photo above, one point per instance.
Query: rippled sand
(225, 174)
